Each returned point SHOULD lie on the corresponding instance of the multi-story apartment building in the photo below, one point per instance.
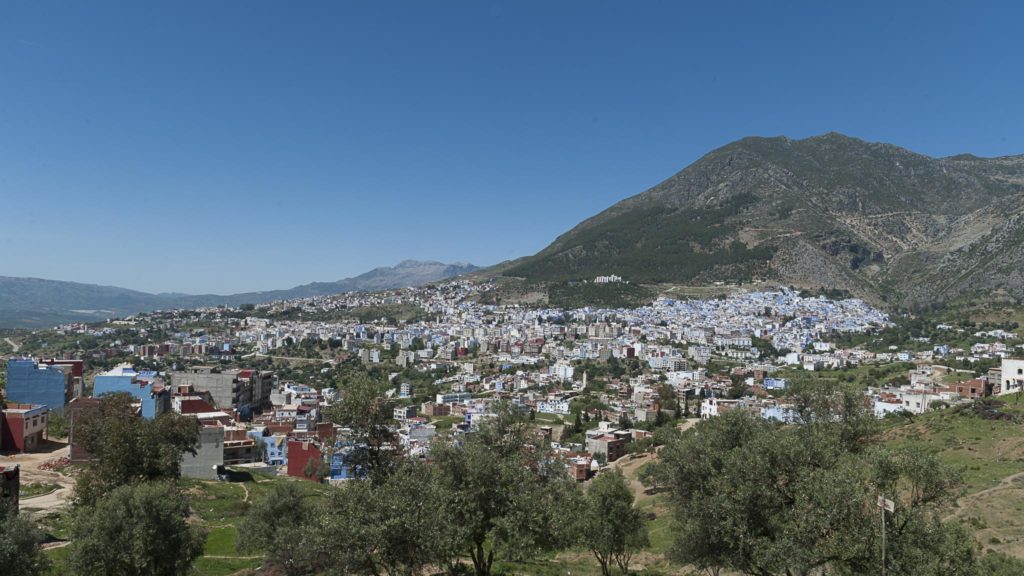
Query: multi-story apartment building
(246, 391)
(30, 382)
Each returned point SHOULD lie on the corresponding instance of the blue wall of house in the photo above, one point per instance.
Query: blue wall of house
(30, 383)
(106, 384)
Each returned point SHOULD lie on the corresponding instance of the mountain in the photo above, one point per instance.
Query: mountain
(830, 211)
(405, 273)
(33, 302)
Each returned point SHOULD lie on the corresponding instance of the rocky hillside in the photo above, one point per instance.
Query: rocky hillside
(830, 211)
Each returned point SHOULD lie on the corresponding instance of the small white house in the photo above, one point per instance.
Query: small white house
(1012, 379)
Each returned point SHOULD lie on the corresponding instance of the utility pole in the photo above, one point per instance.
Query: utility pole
(884, 505)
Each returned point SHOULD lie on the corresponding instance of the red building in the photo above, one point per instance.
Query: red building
(432, 409)
(305, 460)
(971, 389)
(23, 427)
(76, 367)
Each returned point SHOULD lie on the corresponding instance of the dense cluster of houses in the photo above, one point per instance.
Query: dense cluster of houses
(249, 417)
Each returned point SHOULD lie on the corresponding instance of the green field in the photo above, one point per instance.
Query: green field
(862, 376)
(990, 453)
(218, 508)
(985, 450)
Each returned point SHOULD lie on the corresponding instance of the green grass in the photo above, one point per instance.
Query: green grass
(863, 376)
(58, 560)
(221, 506)
(446, 422)
(548, 419)
(224, 566)
(220, 541)
(37, 489)
(57, 525)
(659, 530)
(986, 450)
(218, 502)
(575, 563)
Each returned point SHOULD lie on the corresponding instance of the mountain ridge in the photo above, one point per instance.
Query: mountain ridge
(830, 211)
(36, 302)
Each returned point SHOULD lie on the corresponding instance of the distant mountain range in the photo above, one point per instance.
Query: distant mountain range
(887, 224)
(33, 303)
(831, 211)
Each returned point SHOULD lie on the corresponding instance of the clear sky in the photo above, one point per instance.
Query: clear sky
(234, 146)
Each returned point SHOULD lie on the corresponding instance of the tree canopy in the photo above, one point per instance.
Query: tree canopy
(20, 538)
(610, 526)
(136, 530)
(761, 498)
(369, 415)
(504, 495)
(126, 448)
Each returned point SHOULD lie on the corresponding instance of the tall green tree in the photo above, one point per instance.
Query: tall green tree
(136, 530)
(610, 526)
(369, 415)
(503, 493)
(127, 448)
(406, 510)
(919, 542)
(395, 527)
(276, 523)
(760, 498)
(344, 535)
(20, 538)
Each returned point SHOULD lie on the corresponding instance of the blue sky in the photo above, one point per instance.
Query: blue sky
(235, 146)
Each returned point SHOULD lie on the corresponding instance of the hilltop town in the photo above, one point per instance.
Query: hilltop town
(597, 382)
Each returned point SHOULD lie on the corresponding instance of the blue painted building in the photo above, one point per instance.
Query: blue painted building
(29, 382)
(147, 387)
(275, 446)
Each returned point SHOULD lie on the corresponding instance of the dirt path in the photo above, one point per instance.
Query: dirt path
(629, 467)
(630, 464)
(690, 423)
(48, 502)
(31, 472)
(963, 503)
(14, 345)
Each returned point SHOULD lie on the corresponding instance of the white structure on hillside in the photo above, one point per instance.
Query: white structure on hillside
(1012, 379)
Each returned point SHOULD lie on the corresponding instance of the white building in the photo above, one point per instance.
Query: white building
(553, 407)
(1012, 380)
(562, 371)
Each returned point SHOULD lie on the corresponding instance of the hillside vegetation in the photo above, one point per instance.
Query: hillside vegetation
(830, 211)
